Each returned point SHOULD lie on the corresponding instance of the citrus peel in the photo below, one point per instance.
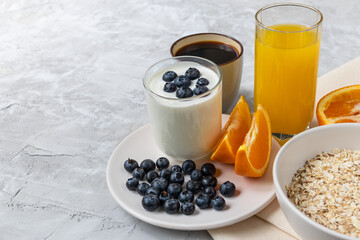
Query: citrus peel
(341, 105)
(253, 156)
(233, 134)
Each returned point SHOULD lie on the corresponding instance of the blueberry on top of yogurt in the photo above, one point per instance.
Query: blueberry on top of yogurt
(169, 76)
(202, 82)
(182, 81)
(200, 90)
(184, 92)
(170, 87)
(186, 83)
(192, 73)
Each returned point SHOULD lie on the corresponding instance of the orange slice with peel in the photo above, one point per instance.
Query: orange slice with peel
(253, 156)
(234, 133)
(341, 105)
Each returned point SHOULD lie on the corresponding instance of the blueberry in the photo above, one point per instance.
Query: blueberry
(209, 181)
(202, 82)
(169, 76)
(174, 189)
(188, 166)
(132, 183)
(165, 173)
(150, 202)
(138, 173)
(171, 206)
(192, 73)
(177, 177)
(176, 168)
(210, 191)
(218, 203)
(141, 188)
(151, 175)
(170, 87)
(147, 165)
(200, 90)
(152, 191)
(187, 208)
(227, 189)
(186, 196)
(162, 163)
(193, 186)
(184, 92)
(182, 81)
(130, 165)
(160, 183)
(196, 175)
(203, 201)
(208, 169)
(164, 195)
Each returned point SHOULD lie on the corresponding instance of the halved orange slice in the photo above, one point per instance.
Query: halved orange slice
(234, 133)
(341, 105)
(253, 156)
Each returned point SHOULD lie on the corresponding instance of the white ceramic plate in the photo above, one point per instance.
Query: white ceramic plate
(252, 195)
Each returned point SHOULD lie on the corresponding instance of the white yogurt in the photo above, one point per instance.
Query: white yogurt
(184, 128)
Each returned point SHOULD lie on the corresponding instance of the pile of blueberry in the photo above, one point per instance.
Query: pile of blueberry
(181, 84)
(164, 188)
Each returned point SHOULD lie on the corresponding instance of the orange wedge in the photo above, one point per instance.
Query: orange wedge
(253, 156)
(234, 133)
(341, 105)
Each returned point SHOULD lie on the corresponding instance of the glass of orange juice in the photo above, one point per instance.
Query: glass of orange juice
(287, 44)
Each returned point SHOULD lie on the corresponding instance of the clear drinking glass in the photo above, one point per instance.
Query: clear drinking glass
(287, 45)
(186, 128)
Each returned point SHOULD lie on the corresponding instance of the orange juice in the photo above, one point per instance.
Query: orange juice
(286, 66)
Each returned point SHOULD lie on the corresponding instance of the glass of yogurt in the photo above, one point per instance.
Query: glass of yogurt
(185, 118)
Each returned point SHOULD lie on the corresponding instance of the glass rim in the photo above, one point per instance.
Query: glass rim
(194, 96)
(316, 25)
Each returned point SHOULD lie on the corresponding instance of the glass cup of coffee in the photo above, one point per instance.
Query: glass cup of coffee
(223, 50)
(183, 96)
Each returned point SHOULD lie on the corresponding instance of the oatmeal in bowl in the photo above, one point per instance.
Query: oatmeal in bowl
(327, 190)
(317, 182)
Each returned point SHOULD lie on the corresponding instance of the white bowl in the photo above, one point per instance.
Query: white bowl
(294, 154)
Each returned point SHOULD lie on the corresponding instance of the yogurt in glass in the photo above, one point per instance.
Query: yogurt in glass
(184, 128)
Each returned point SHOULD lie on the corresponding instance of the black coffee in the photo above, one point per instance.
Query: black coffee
(217, 52)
